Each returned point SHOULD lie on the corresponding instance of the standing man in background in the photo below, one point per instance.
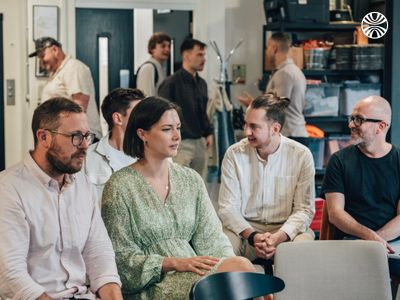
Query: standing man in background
(69, 78)
(189, 91)
(287, 81)
(151, 73)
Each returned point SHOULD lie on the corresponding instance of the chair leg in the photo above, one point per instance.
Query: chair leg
(266, 263)
(394, 284)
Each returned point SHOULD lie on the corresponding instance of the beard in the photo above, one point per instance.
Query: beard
(61, 167)
(360, 139)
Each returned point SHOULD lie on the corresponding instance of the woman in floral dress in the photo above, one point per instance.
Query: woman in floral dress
(164, 229)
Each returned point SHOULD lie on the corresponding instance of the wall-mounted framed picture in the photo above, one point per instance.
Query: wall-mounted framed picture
(45, 21)
(39, 71)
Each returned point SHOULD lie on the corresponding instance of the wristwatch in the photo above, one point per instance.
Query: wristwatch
(250, 238)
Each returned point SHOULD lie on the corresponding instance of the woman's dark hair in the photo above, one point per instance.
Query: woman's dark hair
(274, 106)
(145, 114)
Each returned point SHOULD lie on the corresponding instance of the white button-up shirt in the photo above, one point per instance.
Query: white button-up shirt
(101, 161)
(50, 239)
(278, 191)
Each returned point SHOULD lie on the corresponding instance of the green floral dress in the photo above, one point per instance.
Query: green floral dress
(144, 230)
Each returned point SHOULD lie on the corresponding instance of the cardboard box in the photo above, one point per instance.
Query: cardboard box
(296, 53)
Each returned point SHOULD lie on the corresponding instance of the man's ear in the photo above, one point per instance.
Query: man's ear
(43, 138)
(275, 48)
(185, 55)
(116, 117)
(276, 127)
(382, 126)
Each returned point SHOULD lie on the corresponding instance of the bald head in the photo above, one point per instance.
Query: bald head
(376, 107)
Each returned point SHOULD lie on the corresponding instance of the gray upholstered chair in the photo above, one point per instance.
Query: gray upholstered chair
(331, 270)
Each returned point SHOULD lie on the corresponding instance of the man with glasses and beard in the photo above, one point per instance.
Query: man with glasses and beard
(52, 236)
(361, 184)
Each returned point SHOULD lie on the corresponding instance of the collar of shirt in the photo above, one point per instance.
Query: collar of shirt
(66, 59)
(117, 159)
(45, 179)
(287, 61)
(189, 77)
(273, 156)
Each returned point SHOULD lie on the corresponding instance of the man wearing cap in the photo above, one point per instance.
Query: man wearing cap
(69, 78)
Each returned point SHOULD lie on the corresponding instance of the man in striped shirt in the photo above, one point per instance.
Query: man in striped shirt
(267, 184)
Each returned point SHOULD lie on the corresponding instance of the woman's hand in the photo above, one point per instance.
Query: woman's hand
(196, 264)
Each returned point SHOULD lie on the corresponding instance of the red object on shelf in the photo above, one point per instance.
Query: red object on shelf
(316, 222)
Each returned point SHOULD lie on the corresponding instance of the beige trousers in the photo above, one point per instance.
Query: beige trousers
(242, 248)
(192, 153)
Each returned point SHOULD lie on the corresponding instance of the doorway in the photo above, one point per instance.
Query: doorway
(2, 125)
(115, 27)
(177, 24)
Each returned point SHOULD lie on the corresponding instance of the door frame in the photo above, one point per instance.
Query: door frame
(2, 124)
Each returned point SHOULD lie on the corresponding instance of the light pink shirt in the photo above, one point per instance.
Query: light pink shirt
(51, 238)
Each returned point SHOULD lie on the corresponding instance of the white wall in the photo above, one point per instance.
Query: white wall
(225, 21)
(244, 20)
(14, 23)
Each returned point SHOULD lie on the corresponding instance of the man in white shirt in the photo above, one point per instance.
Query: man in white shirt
(267, 184)
(69, 78)
(52, 236)
(151, 73)
(107, 156)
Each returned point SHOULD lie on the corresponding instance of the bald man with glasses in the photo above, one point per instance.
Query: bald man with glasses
(362, 182)
(52, 236)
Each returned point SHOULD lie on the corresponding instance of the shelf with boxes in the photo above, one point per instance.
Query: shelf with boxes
(345, 76)
(345, 72)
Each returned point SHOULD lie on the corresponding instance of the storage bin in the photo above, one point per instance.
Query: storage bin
(317, 58)
(316, 146)
(322, 99)
(351, 93)
(335, 143)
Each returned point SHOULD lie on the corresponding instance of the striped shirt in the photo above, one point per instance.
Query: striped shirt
(277, 191)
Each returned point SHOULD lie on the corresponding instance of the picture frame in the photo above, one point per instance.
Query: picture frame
(45, 21)
(39, 71)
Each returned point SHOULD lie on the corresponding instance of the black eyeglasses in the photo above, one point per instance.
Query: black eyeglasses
(358, 121)
(77, 138)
